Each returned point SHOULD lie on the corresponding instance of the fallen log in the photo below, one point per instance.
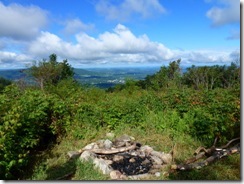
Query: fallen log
(212, 153)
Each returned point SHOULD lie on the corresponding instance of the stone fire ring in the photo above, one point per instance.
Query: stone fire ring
(124, 158)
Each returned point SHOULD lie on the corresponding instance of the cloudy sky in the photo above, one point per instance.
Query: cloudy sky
(100, 33)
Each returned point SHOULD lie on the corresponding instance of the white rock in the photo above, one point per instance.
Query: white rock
(87, 155)
(139, 176)
(107, 144)
(157, 160)
(118, 158)
(91, 146)
(165, 157)
(73, 154)
(146, 149)
(115, 174)
(109, 162)
(157, 174)
(102, 165)
(123, 177)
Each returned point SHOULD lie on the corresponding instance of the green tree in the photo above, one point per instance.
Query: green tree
(51, 71)
(3, 83)
(210, 77)
(164, 78)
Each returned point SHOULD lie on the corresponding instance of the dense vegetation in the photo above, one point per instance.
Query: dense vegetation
(185, 109)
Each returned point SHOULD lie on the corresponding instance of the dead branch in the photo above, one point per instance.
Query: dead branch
(212, 155)
(110, 151)
(228, 144)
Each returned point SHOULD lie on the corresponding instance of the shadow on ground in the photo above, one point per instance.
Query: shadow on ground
(62, 172)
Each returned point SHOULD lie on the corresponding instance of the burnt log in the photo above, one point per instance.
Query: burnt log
(216, 154)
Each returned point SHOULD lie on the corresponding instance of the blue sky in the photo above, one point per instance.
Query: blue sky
(103, 33)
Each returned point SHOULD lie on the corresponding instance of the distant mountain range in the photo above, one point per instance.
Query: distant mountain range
(99, 77)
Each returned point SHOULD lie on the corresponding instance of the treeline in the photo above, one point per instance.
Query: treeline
(202, 103)
(199, 78)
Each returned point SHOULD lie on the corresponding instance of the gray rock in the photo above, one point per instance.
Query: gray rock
(115, 174)
(91, 146)
(165, 157)
(102, 165)
(118, 158)
(146, 161)
(157, 160)
(146, 149)
(87, 155)
(157, 174)
(139, 176)
(132, 160)
(73, 154)
(108, 144)
(158, 167)
(121, 141)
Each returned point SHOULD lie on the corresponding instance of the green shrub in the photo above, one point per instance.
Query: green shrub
(29, 123)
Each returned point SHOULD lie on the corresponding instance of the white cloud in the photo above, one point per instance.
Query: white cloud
(19, 22)
(206, 57)
(74, 26)
(128, 8)
(121, 45)
(230, 13)
(14, 60)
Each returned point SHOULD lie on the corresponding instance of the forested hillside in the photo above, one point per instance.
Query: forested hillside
(40, 122)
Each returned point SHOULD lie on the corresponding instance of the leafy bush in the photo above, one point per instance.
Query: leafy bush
(30, 121)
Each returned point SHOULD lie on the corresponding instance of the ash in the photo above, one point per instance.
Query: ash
(132, 165)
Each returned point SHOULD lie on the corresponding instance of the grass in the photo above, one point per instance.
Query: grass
(225, 169)
(56, 165)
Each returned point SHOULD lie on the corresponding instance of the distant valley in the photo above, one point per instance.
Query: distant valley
(99, 77)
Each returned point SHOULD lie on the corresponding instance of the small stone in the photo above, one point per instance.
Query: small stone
(122, 140)
(146, 149)
(158, 166)
(133, 153)
(157, 174)
(104, 144)
(91, 146)
(107, 144)
(132, 160)
(102, 165)
(141, 154)
(109, 162)
(73, 154)
(167, 158)
(145, 162)
(115, 175)
(157, 160)
(87, 155)
(118, 158)
(139, 176)
(123, 177)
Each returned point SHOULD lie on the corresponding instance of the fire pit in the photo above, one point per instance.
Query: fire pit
(124, 158)
(132, 165)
